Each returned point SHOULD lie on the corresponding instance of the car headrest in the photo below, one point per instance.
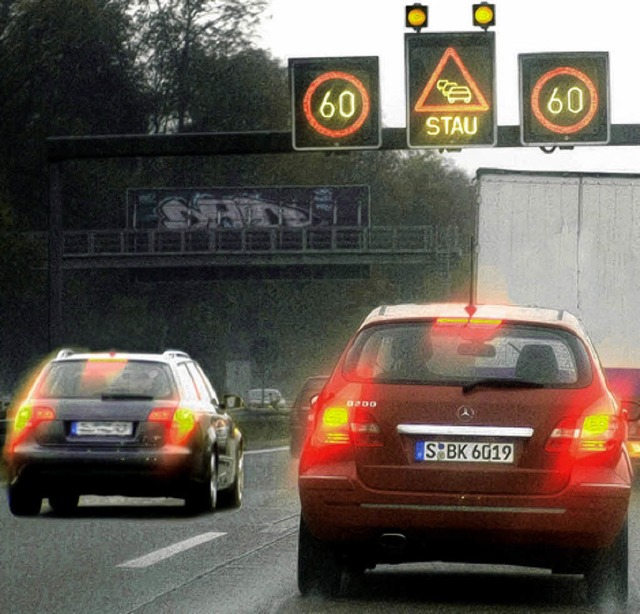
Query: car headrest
(537, 363)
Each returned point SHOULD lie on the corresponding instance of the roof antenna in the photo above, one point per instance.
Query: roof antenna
(471, 307)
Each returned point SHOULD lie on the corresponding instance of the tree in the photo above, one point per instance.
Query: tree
(175, 35)
(247, 91)
(65, 69)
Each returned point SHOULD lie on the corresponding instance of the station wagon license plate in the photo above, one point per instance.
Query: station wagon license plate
(464, 452)
(97, 428)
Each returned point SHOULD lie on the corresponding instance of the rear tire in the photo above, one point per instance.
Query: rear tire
(64, 503)
(319, 570)
(24, 501)
(232, 497)
(608, 573)
(203, 496)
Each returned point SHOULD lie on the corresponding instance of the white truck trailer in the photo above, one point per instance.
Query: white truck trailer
(565, 240)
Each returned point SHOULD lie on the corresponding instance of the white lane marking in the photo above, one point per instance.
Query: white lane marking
(164, 553)
(265, 450)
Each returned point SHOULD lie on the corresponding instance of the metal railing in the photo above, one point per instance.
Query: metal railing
(416, 239)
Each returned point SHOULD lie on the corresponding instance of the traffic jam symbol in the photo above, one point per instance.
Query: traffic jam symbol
(450, 90)
(458, 96)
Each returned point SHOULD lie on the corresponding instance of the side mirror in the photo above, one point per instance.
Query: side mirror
(632, 409)
(233, 401)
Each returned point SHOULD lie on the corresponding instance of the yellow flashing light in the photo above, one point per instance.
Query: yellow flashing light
(22, 418)
(183, 424)
(484, 15)
(416, 16)
(595, 425)
(335, 416)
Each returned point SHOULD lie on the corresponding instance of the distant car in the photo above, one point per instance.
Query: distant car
(475, 434)
(122, 424)
(266, 398)
(625, 385)
(299, 416)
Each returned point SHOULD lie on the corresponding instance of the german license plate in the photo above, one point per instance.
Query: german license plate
(99, 428)
(464, 452)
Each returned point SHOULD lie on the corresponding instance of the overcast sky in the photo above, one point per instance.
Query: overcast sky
(376, 27)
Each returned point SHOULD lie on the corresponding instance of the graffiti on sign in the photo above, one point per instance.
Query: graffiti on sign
(241, 207)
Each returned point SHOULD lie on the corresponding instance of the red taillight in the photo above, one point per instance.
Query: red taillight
(27, 418)
(180, 421)
(365, 429)
(336, 425)
(332, 427)
(599, 430)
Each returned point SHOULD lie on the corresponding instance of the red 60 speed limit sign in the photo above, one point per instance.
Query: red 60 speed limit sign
(335, 103)
(564, 98)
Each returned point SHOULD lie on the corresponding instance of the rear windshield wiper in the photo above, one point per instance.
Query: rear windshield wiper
(497, 382)
(121, 396)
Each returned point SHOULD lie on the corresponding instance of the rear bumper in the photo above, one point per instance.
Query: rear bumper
(539, 531)
(154, 472)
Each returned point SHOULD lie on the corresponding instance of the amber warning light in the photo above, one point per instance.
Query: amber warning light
(416, 17)
(484, 15)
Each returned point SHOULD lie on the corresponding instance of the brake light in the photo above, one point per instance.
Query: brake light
(470, 321)
(27, 418)
(600, 429)
(180, 421)
(365, 429)
(332, 427)
(337, 426)
(473, 329)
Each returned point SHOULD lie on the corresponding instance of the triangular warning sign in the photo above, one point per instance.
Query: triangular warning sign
(458, 99)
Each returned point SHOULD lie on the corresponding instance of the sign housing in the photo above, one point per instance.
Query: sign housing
(564, 98)
(450, 83)
(335, 103)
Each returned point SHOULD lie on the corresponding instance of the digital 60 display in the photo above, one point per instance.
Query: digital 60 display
(336, 103)
(564, 98)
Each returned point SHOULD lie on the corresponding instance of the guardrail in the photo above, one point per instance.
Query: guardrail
(421, 239)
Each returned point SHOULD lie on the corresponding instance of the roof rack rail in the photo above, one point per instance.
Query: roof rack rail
(63, 353)
(175, 354)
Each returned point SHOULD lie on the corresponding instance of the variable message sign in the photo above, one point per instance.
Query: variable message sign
(336, 103)
(450, 89)
(564, 98)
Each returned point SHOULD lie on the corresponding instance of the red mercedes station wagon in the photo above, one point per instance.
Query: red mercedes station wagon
(477, 434)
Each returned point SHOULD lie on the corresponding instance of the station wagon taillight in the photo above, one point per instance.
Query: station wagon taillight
(180, 422)
(27, 418)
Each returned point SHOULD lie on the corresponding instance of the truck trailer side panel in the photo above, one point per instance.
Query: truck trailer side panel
(565, 240)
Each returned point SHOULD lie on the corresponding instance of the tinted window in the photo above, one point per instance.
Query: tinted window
(189, 388)
(204, 394)
(432, 353)
(210, 392)
(96, 377)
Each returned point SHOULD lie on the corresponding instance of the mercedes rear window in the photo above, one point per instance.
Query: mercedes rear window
(451, 353)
